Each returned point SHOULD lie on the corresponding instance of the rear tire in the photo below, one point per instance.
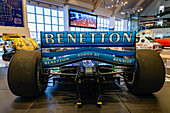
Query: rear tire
(150, 73)
(24, 75)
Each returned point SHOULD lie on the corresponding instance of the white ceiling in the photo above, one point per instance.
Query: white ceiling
(97, 5)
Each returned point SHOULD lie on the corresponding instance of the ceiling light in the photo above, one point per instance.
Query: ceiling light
(123, 13)
(114, 3)
(125, 3)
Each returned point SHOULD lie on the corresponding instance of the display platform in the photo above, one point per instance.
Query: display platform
(62, 99)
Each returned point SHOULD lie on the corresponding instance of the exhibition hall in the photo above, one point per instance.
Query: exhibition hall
(84, 56)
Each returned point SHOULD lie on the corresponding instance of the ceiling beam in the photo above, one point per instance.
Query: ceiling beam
(137, 5)
(79, 3)
(153, 6)
(97, 4)
(116, 10)
(98, 10)
(51, 2)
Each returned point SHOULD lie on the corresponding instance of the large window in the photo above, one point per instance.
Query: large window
(44, 19)
(103, 24)
(118, 25)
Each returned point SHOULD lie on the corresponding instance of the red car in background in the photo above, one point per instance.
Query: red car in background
(165, 42)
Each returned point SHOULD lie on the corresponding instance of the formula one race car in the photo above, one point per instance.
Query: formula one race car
(29, 72)
(16, 43)
(164, 41)
(148, 43)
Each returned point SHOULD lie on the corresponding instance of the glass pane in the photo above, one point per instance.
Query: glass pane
(60, 14)
(82, 29)
(115, 28)
(86, 29)
(108, 21)
(101, 20)
(30, 9)
(47, 27)
(33, 35)
(98, 25)
(38, 38)
(54, 28)
(54, 12)
(46, 11)
(39, 10)
(54, 20)
(32, 26)
(72, 28)
(40, 19)
(115, 22)
(108, 26)
(118, 22)
(40, 27)
(61, 28)
(77, 29)
(61, 21)
(31, 17)
(105, 22)
(47, 20)
(98, 20)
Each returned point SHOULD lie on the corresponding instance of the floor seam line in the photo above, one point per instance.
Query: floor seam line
(122, 102)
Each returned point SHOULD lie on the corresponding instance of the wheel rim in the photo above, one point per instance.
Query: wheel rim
(40, 80)
(131, 78)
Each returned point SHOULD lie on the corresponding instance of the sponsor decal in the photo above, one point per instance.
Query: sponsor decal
(82, 55)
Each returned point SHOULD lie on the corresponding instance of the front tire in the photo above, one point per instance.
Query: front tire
(150, 73)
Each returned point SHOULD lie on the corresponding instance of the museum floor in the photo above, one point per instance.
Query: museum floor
(62, 99)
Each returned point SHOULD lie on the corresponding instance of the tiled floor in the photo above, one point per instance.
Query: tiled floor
(62, 98)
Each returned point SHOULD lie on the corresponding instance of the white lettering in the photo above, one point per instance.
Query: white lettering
(59, 37)
(92, 37)
(49, 38)
(82, 38)
(69, 35)
(103, 36)
(127, 37)
(111, 37)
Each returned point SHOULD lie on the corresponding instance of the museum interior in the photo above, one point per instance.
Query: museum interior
(84, 56)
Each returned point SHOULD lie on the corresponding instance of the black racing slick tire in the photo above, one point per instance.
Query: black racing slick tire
(24, 75)
(150, 73)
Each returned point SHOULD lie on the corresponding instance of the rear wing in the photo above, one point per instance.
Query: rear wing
(86, 45)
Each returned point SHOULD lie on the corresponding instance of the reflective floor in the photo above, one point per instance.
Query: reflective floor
(62, 98)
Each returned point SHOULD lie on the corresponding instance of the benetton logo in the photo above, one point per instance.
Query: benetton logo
(82, 37)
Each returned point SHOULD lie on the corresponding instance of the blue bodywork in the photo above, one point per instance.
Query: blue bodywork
(87, 43)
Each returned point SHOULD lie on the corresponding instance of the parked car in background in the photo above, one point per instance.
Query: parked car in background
(143, 42)
(165, 41)
(14, 42)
